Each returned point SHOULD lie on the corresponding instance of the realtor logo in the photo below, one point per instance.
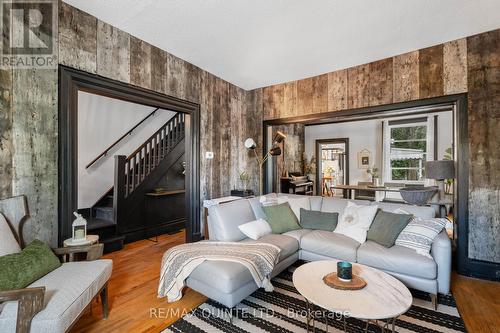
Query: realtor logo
(28, 29)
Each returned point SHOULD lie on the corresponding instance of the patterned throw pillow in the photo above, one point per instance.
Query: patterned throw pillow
(355, 221)
(419, 234)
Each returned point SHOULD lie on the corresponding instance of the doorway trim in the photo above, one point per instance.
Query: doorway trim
(70, 82)
(319, 142)
(465, 265)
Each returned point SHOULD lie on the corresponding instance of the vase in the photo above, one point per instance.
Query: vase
(376, 182)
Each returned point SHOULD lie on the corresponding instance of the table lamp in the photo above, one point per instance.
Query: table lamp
(440, 170)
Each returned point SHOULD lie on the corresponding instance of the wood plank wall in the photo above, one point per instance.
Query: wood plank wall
(466, 65)
(28, 102)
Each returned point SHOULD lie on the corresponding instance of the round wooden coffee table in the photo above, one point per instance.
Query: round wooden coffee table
(383, 299)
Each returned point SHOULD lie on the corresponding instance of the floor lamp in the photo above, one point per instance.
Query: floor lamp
(250, 144)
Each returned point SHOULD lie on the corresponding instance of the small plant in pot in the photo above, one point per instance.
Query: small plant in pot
(375, 176)
(244, 179)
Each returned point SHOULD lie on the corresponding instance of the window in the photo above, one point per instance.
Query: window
(408, 144)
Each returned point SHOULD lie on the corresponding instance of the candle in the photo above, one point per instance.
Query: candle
(79, 233)
(344, 271)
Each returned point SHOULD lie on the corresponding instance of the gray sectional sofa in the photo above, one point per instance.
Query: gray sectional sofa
(229, 283)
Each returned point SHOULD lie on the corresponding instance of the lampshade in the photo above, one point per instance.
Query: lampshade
(440, 169)
(275, 151)
(279, 137)
(250, 143)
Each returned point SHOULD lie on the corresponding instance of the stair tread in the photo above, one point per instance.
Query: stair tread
(94, 224)
(107, 208)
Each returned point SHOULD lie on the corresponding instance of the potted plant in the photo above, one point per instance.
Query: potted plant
(375, 176)
(244, 179)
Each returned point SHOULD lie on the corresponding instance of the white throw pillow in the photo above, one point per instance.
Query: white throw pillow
(420, 233)
(355, 221)
(296, 204)
(256, 229)
(8, 243)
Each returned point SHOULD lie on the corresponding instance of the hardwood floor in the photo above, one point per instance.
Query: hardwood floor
(132, 291)
(134, 306)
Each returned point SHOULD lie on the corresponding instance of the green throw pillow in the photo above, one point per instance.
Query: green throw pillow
(387, 226)
(314, 219)
(19, 270)
(281, 218)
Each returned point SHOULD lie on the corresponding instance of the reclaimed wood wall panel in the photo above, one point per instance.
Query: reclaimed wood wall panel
(223, 142)
(253, 129)
(455, 67)
(358, 86)
(159, 70)
(77, 39)
(176, 76)
(192, 83)
(381, 83)
(431, 71)
(483, 54)
(6, 147)
(206, 136)
(405, 77)
(305, 96)
(34, 133)
(140, 63)
(290, 99)
(320, 93)
(113, 52)
(337, 90)
(268, 104)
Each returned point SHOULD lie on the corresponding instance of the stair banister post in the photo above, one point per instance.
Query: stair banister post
(119, 188)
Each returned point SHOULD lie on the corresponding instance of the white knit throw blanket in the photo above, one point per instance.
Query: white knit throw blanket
(179, 261)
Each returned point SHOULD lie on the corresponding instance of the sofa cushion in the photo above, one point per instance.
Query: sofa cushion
(397, 259)
(338, 205)
(224, 219)
(420, 233)
(18, 270)
(317, 220)
(281, 218)
(229, 276)
(418, 211)
(297, 234)
(255, 229)
(256, 205)
(355, 221)
(386, 227)
(69, 289)
(330, 244)
(296, 204)
(287, 244)
(316, 202)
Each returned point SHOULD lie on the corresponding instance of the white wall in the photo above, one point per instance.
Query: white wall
(368, 134)
(101, 121)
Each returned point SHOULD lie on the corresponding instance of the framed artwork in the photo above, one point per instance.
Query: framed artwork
(364, 159)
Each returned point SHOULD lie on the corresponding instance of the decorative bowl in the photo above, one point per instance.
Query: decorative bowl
(419, 196)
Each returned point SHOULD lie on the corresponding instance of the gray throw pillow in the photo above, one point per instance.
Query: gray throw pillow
(387, 226)
(281, 218)
(317, 220)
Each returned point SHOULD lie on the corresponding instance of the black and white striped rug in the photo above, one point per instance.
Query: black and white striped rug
(284, 310)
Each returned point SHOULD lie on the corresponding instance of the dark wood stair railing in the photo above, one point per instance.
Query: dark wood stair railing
(106, 151)
(133, 170)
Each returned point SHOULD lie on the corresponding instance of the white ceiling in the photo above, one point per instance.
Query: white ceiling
(255, 43)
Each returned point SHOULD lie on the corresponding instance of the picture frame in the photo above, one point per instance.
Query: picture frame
(364, 159)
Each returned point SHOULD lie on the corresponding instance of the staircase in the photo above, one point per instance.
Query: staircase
(113, 215)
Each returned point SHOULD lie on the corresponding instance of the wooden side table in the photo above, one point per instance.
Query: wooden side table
(90, 240)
